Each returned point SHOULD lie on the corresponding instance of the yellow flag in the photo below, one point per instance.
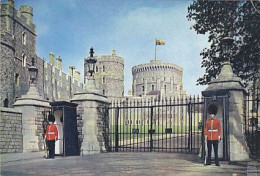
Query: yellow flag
(159, 42)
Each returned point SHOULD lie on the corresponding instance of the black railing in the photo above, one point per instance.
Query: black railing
(164, 125)
(252, 123)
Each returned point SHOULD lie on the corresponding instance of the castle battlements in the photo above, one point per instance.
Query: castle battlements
(9, 15)
(157, 78)
(156, 65)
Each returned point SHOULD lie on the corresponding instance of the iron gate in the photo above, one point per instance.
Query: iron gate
(252, 122)
(158, 125)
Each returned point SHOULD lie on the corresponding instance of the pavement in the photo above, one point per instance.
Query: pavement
(117, 164)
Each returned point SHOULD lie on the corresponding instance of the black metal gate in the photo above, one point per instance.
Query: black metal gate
(252, 122)
(158, 125)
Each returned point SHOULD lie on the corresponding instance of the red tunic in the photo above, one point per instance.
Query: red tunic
(51, 132)
(213, 129)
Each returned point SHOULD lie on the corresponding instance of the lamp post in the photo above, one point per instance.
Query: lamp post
(33, 71)
(90, 82)
(226, 44)
(91, 62)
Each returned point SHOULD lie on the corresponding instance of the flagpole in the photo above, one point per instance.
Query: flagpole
(155, 50)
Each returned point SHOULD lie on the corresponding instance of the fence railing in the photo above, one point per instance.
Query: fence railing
(252, 123)
(163, 125)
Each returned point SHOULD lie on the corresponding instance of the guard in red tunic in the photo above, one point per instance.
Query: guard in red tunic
(212, 136)
(51, 135)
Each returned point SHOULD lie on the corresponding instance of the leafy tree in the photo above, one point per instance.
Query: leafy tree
(241, 21)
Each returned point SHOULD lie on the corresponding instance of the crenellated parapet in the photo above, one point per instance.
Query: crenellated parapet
(55, 83)
(23, 16)
(157, 78)
(157, 65)
(27, 11)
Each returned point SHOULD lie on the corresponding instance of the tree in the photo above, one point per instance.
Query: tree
(241, 21)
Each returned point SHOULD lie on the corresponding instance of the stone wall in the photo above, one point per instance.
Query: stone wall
(80, 112)
(157, 77)
(41, 113)
(109, 75)
(54, 84)
(10, 131)
(18, 39)
(17, 46)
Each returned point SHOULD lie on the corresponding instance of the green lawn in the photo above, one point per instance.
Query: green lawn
(126, 132)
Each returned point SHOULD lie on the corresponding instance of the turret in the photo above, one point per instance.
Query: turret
(11, 2)
(77, 75)
(51, 58)
(27, 11)
(72, 70)
(58, 62)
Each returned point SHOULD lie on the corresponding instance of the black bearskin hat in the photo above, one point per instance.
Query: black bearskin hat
(51, 118)
(213, 109)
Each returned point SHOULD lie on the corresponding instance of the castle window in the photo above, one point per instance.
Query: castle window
(103, 80)
(6, 102)
(165, 88)
(104, 92)
(24, 38)
(24, 60)
(96, 69)
(152, 87)
(143, 88)
(16, 79)
(104, 68)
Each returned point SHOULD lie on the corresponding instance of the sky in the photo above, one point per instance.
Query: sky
(69, 28)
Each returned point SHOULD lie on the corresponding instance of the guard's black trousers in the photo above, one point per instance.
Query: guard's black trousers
(51, 148)
(215, 146)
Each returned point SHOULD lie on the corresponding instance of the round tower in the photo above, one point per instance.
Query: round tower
(27, 11)
(157, 78)
(109, 75)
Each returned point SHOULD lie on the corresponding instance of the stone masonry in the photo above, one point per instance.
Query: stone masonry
(157, 78)
(11, 138)
(109, 75)
(18, 42)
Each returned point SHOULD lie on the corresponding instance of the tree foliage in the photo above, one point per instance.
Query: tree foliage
(241, 21)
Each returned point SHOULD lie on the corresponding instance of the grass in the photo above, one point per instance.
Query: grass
(126, 132)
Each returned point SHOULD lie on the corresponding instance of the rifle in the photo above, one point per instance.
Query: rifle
(206, 153)
(46, 153)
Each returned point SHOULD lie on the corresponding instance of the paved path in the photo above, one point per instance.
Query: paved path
(117, 164)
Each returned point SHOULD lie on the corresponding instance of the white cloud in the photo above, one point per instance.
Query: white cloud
(137, 31)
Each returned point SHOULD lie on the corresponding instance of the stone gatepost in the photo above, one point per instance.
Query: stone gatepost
(229, 85)
(32, 106)
(90, 116)
(91, 105)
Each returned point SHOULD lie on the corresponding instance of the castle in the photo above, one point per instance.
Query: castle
(18, 40)
(22, 126)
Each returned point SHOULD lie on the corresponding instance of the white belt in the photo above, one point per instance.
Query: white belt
(51, 132)
(212, 130)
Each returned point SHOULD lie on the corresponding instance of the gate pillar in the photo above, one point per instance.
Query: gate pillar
(32, 106)
(226, 94)
(90, 105)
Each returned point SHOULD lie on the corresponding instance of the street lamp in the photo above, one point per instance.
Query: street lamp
(226, 44)
(33, 71)
(91, 62)
(90, 81)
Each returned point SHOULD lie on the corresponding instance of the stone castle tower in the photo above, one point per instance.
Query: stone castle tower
(18, 43)
(157, 78)
(18, 38)
(109, 75)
